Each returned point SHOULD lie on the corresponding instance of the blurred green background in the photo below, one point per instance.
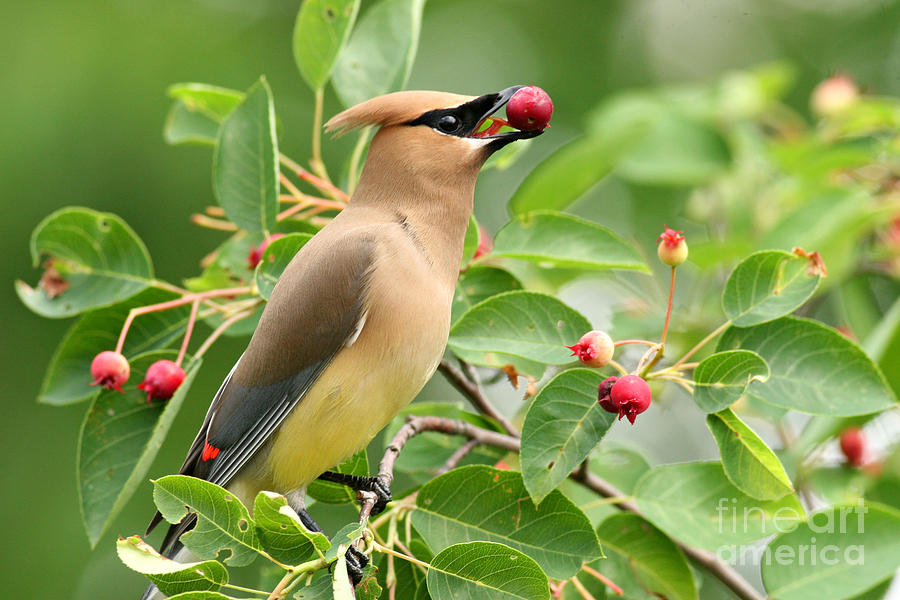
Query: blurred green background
(82, 90)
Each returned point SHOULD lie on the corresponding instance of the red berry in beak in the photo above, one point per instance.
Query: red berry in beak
(256, 252)
(594, 349)
(853, 445)
(110, 370)
(529, 108)
(631, 395)
(162, 379)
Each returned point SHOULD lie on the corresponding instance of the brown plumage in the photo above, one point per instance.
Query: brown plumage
(358, 322)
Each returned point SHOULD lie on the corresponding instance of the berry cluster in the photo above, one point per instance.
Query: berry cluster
(110, 370)
(629, 395)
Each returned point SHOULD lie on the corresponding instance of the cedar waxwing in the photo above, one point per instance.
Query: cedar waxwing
(359, 319)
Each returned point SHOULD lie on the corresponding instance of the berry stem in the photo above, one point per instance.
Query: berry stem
(665, 332)
(624, 342)
(218, 331)
(316, 161)
(618, 367)
(604, 579)
(581, 589)
(187, 332)
(210, 223)
(186, 299)
(701, 343)
(326, 187)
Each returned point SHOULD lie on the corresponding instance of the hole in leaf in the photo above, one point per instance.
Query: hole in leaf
(103, 224)
(283, 526)
(550, 465)
(243, 525)
(228, 498)
(330, 14)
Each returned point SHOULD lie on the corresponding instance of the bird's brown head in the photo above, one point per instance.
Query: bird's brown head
(429, 136)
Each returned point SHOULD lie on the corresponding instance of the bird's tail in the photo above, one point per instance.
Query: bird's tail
(180, 554)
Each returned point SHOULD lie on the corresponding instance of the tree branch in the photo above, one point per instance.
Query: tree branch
(473, 392)
(417, 425)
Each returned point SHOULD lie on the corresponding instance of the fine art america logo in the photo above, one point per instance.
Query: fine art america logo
(826, 537)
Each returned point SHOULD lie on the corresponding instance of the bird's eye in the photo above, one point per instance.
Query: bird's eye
(448, 124)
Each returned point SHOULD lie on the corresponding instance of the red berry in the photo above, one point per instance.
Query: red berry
(631, 395)
(853, 445)
(162, 379)
(603, 394)
(485, 243)
(672, 249)
(256, 252)
(595, 349)
(110, 370)
(529, 108)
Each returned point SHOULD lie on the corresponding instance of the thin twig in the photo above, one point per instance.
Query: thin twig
(581, 589)
(416, 425)
(326, 187)
(457, 456)
(606, 580)
(210, 223)
(665, 332)
(701, 343)
(187, 332)
(473, 392)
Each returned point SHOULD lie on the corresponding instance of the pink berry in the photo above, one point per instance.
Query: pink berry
(162, 379)
(529, 108)
(485, 243)
(672, 249)
(256, 252)
(110, 370)
(594, 349)
(853, 445)
(603, 395)
(834, 95)
(631, 395)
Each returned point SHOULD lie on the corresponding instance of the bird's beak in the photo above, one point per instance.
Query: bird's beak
(485, 106)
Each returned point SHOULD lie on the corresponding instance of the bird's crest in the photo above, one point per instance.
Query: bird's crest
(392, 109)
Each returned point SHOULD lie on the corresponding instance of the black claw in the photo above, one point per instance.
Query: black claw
(356, 562)
(376, 485)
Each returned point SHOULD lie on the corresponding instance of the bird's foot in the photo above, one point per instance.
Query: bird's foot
(356, 562)
(377, 485)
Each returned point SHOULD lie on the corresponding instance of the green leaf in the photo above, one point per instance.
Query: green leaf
(68, 377)
(842, 551)
(562, 426)
(119, 439)
(379, 57)
(320, 33)
(518, 324)
(748, 462)
(317, 589)
(345, 536)
(569, 172)
(485, 571)
(275, 259)
(767, 285)
(282, 534)
(814, 369)
(481, 503)
(479, 283)
(169, 576)
(555, 240)
(695, 503)
(245, 162)
(213, 101)
(722, 378)
(340, 583)
(335, 493)
(675, 151)
(641, 559)
(223, 523)
(471, 241)
(618, 466)
(206, 595)
(182, 126)
(427, 452)
(98, 256)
